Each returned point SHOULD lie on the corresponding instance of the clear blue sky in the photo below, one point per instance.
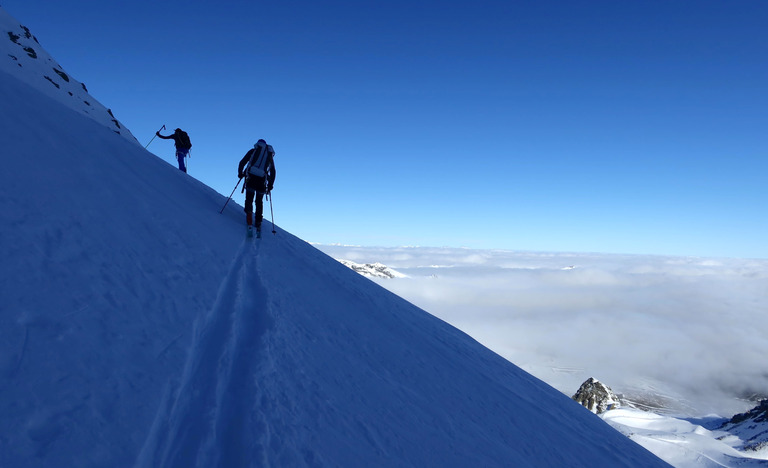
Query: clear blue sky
(606, 126)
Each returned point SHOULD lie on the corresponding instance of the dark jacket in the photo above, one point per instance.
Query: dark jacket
(176, 137)
(258, 183)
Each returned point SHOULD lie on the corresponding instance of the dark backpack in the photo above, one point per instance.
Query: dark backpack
(182, 140)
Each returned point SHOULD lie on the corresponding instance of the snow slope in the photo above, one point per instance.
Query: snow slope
(22, 55)
(750, 429)
(682, 443)
(138, 327)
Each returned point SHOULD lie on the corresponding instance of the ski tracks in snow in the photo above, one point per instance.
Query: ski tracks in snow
(212, 418)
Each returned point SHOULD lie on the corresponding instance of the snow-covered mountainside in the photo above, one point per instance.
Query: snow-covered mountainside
(22, 56)
(751, 429)
(140, 328)
(684, 443)
(372, 270)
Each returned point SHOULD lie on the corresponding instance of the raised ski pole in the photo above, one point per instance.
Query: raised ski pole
(150, 141)
(230, 195)
(269, 195)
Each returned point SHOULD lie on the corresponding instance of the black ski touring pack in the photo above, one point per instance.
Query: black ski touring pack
(183, 139)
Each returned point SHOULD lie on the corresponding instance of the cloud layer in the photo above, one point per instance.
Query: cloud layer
(688, 330)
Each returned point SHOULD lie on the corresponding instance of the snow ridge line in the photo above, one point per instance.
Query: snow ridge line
(220, 376)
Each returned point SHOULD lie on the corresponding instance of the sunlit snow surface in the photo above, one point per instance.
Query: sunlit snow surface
(681, 443)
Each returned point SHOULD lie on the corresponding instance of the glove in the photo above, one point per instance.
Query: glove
(157, 133)
(240, 175)
(271, 186)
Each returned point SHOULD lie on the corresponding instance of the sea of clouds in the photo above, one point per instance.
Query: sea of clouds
(686, 333)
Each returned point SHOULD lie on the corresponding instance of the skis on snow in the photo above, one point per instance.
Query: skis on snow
(250, 231)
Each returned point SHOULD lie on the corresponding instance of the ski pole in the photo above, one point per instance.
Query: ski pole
(230, 195)
(150, 141)
(269, 195)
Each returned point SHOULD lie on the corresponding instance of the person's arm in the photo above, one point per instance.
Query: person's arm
(272, 174)
(242, 164)
(163, 137)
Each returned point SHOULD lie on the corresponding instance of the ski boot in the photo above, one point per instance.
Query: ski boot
(249, 222)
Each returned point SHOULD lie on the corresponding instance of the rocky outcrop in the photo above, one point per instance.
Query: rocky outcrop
(22, 56)
(596, 396)
(751, 427)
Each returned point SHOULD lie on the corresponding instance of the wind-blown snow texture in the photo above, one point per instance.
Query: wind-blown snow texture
(139, 328)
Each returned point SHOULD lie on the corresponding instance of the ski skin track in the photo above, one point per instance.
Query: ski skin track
(202, 422)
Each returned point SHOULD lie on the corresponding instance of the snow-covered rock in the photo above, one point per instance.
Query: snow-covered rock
(751, 428)
(372, 270)
(22, 56)
(596, 396)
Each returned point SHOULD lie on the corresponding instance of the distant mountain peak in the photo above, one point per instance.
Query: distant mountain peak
(751, 427)
(596, 396)
(757, 414)
(373, 270)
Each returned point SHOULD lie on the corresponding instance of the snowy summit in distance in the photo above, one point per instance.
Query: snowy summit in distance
(372, 270)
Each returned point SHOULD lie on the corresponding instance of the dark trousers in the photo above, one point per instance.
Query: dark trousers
(254, 191)
(180, 155)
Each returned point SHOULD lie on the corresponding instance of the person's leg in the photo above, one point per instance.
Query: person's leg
(180, 156)
(259, 209)
(249, 207)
